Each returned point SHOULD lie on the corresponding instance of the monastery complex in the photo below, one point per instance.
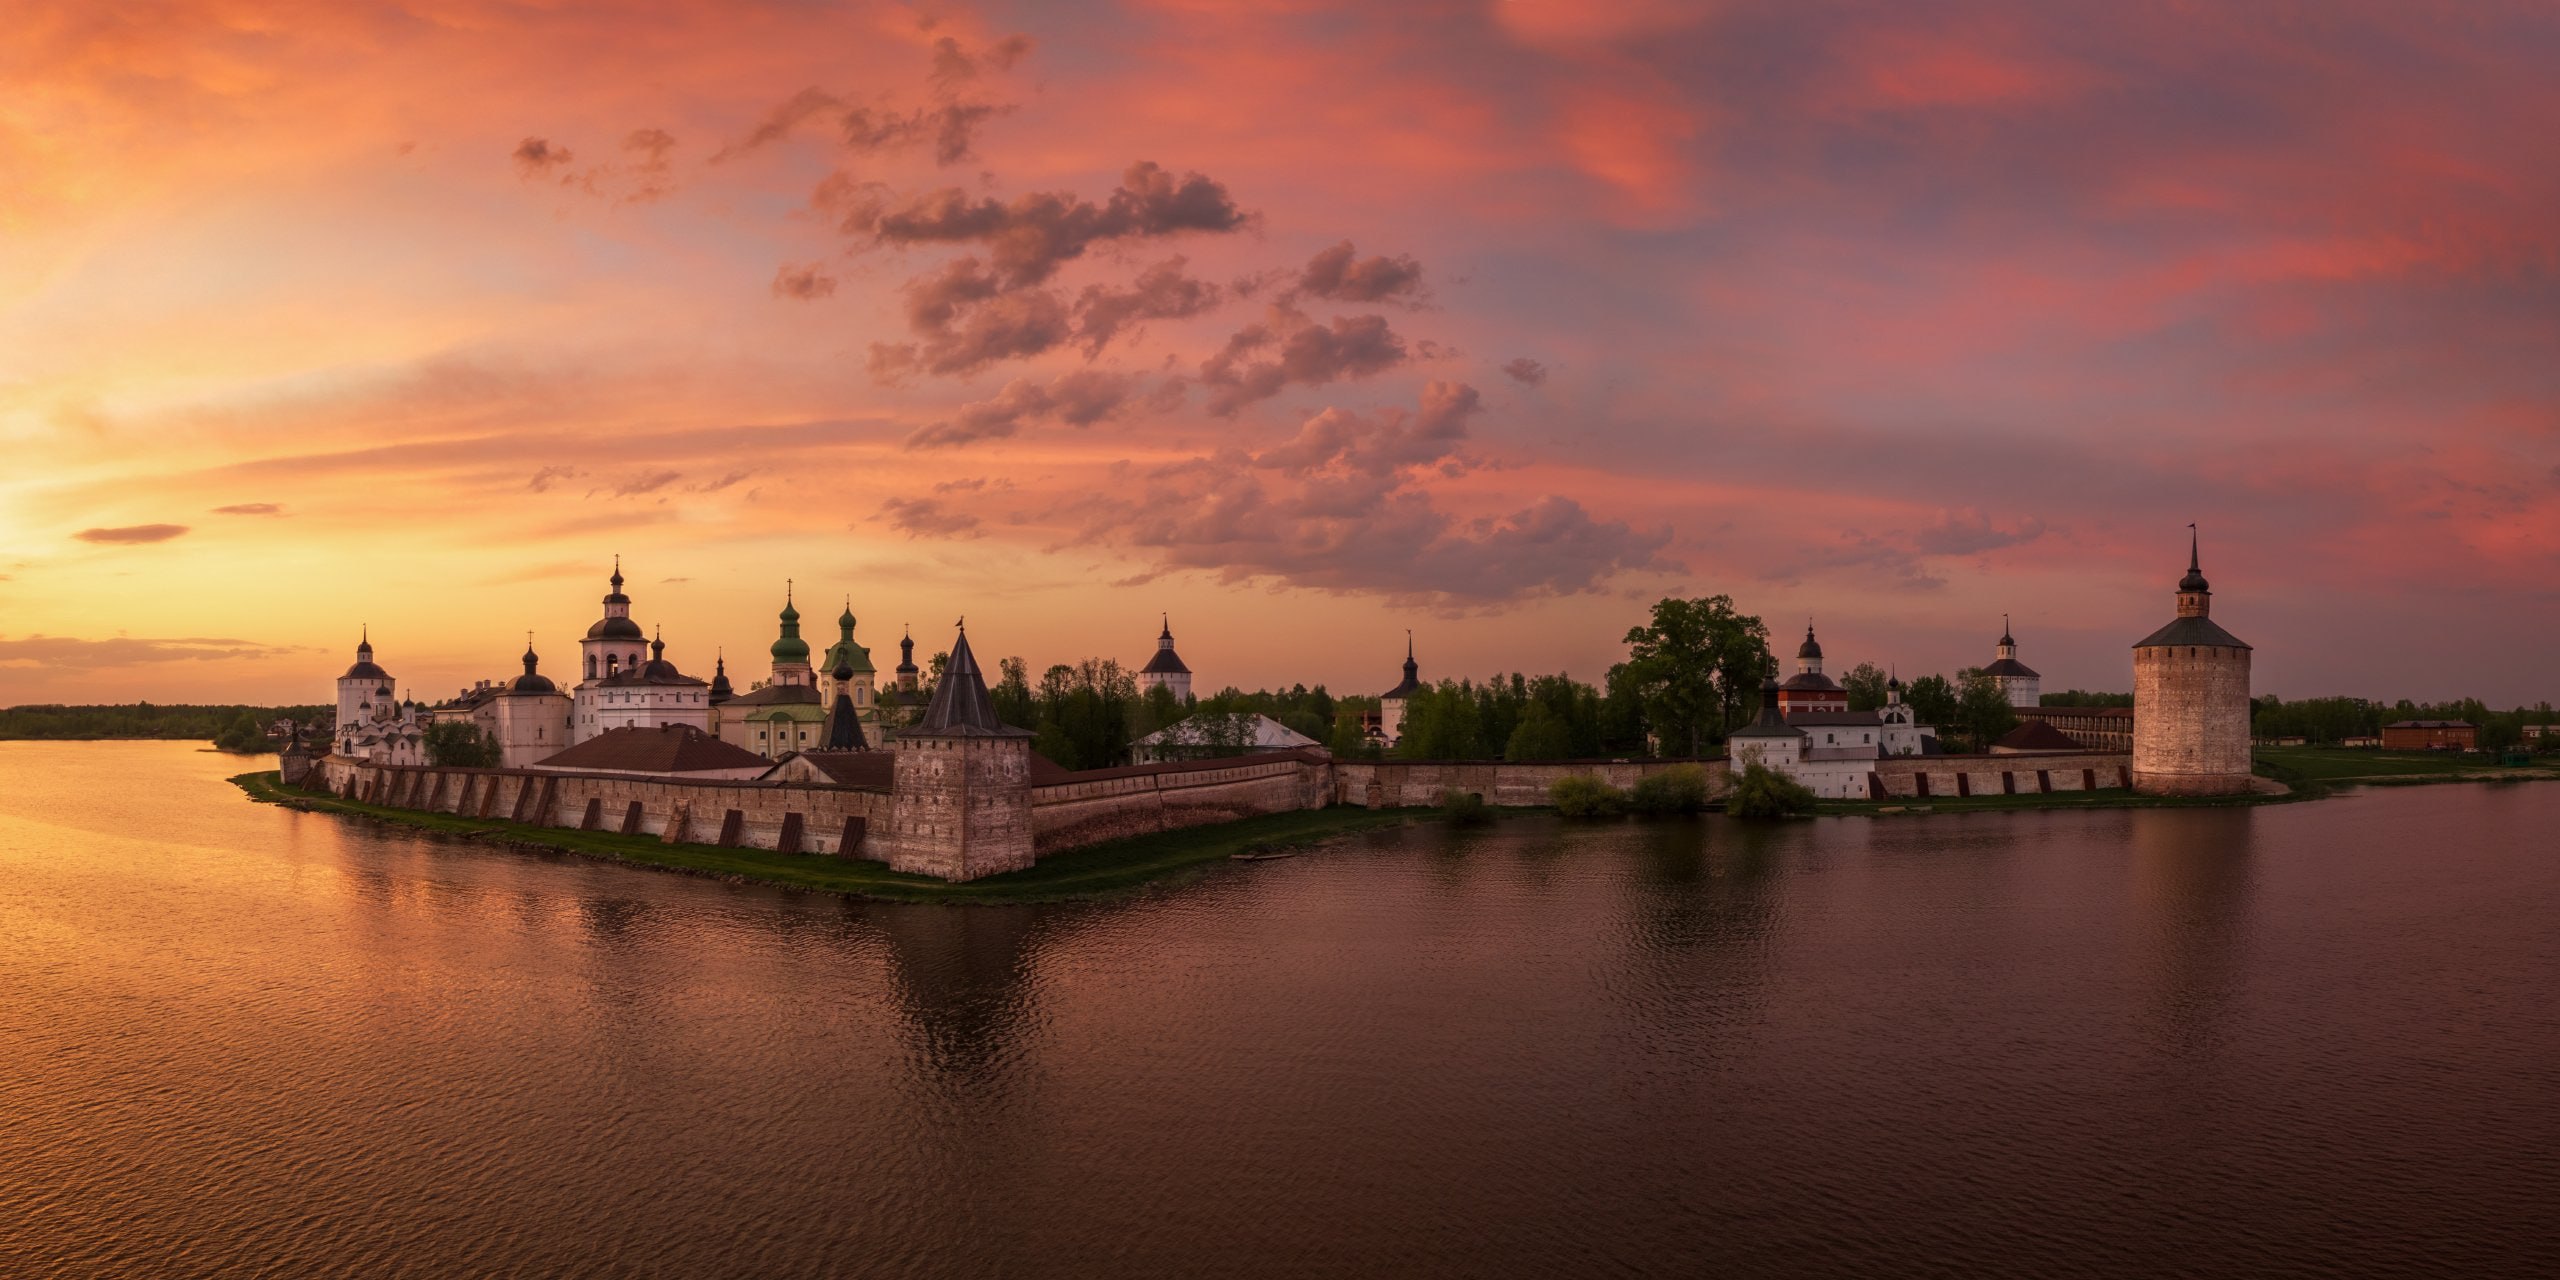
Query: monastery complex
(823, 756)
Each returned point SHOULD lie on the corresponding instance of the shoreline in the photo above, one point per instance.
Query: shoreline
(1111, 869)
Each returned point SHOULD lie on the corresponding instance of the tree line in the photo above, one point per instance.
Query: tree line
(233, 726)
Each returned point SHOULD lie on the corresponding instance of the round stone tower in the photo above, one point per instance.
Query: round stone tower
(2191, 700)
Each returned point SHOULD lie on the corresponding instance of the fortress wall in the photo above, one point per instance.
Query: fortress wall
(1391, 784)
(672, 809)
(1070, 815)
(1999, 775)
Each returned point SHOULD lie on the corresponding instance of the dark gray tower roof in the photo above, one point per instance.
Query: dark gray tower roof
(961, 707)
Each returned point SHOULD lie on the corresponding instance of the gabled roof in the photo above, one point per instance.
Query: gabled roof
(961, 707)
(672, 748)
(1262, 734)
(2037, 735)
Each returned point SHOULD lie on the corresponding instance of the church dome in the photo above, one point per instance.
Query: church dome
(615, 629)
(1810, 648)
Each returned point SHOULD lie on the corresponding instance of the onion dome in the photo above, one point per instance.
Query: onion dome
(364, 668)
(532, 681)
(721, 689)
(2194, 581)
(659, 668)
(616, 624)
(844, 670)
(907, 654)
(1810, 648)
(615, 596)
(2006, 640)
(1894, 683)
(789, 649)
(845, 653)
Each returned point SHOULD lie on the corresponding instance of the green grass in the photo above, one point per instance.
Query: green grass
(2337, 764)
(1101, 870)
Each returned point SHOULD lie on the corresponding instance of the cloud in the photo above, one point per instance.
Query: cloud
(651, 169)
(546, 477)
(1525, 371)
(1967, 532)
(1079, 399)
(724, 482)
(124, 651)
(132, 534)
(1030, 237)
(538, 157)
(778, 123)
(954, 66)
(649, 482)
(250, 509)
(1161, 292)
(806, 283)
(928, 518)
(952, 128)
(1347, 505)
(1303, 352)
(966, 321)
(1341, 275)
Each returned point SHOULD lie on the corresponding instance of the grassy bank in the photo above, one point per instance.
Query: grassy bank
(1103, 869)
(2337, 765)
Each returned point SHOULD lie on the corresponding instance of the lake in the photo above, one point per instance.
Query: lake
(2303, 1040)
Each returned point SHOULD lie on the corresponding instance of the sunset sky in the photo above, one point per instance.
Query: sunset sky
(1304, 322)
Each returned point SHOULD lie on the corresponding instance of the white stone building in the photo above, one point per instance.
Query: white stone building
(1166, 670)
(373, 723)
(2017, 681)
(1388, 728)
(1830, 752)
(615, 644)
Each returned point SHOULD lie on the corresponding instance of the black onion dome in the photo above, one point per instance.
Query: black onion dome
(1810, 648)
(615, 629)
(2194, 581)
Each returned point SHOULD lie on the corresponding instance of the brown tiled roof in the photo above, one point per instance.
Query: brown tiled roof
(2037, 735)
(673, 748)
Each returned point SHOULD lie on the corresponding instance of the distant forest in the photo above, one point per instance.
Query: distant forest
(145, 720)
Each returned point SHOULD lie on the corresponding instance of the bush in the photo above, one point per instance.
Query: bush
(1763, 793)
(1580, 795)
(1464, 808)
(1682, 789)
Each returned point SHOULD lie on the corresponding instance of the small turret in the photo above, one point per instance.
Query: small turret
(721, 690)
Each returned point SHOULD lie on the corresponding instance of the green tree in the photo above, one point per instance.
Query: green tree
(1762, 792)
(459, 744)
(1693, 665)
(1865, 683)
(1984, 713)
(243, 734)
(1540, 735)
(1933, 701)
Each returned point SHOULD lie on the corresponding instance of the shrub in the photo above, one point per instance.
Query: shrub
(1682, 789)
(1579, 795)
(1763, 793)
(1464, 808)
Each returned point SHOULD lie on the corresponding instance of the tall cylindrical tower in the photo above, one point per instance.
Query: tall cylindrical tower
(2191, 700)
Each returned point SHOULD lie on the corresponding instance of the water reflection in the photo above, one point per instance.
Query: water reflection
(2191, 885)
(963, 980)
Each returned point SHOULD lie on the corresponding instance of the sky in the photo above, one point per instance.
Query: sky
(1305, 323)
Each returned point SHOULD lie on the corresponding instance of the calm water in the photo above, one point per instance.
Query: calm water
(2312, 1040)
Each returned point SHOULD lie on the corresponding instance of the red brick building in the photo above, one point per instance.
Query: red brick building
(2430, 735)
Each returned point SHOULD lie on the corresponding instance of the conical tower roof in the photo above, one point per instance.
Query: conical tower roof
(961, 706)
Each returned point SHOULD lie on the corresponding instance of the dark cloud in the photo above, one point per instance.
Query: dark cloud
(954, 66)
(1160, 292)
(537, 157)
(132, 533)
(965, 320)
(124, 651)
(951, 127)
(250, 509)
(1884, 561)
(779, 122)
(1340, 274)
(969, 485)
(714, 486)
(1959, 533)
(649, 482)
(1031, 236)
(806, 283)
(1078, 399)
(1347, 505)
(1262, 359)
(1525, 371)
(928, 518)
(650, 169)
(548, 476)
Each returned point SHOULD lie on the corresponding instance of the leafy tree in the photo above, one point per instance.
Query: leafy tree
(1052, 744)
(1762, 792)
(1865, 683)
(459, 744)
(1540, 735)
(1694, 666)
(243, 734)
(1984, 713)
(1350, 739)
(1933, 701)
(2083, 698)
